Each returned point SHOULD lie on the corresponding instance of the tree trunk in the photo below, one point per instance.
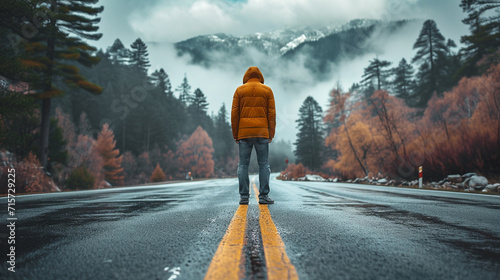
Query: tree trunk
(44, 141)
(354, 151)
(147, 144)
(446, 129)
(123, 135)
(378, 78)
(45, 125)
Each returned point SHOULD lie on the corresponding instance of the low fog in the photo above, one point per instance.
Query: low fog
(291, 81)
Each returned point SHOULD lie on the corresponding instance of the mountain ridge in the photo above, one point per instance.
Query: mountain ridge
(319, 46)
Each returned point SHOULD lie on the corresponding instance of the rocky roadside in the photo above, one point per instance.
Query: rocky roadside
(469, 182)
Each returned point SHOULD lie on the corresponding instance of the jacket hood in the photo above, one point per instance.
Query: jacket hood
(253, 72)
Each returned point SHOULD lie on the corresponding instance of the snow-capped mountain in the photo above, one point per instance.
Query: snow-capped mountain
(320, 47)
(275, 43)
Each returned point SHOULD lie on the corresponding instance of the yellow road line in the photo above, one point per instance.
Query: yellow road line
(228, 261)
(277, 262)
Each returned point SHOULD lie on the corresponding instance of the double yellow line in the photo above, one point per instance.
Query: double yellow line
(229, 261)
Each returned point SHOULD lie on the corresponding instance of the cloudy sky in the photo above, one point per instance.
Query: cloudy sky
(176, 20)
(163, 22)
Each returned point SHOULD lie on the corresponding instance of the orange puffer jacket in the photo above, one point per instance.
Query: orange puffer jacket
(253, 113)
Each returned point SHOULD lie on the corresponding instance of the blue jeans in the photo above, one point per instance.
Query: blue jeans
(245, 150)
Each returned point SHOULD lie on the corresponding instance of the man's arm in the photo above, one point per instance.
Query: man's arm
(271, 116)
(235, 115)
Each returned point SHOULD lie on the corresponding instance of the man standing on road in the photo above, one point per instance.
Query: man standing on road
(253, 121)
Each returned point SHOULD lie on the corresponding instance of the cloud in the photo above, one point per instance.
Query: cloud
(172, 21)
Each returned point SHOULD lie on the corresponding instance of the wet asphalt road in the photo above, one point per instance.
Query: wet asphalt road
(331, 231)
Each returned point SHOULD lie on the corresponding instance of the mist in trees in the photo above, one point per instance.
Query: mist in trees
(420, 113)
(375, 75)
(310, 138)
(482, 43)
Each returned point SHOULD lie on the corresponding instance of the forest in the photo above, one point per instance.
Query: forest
(445, 116)
(74, 117)
(104, 117)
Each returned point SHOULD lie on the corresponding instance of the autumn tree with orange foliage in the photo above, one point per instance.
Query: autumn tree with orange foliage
(158, 175)
(294, 171)
(357, 146)
(391, 121)
(337, 112)
(30, 175)
(195, 154)
(112, 161)
(456, 134)
(82, 151)
(460, 132)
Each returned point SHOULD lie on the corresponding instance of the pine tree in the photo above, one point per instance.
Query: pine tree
(112, 161)
(14, 15)
(223, 137)
(184, 90)
(310, 138)
(18, 120)
(117, 53)
(67, 24)
(199, 101)
(403, 79)
(450, 44)
(139, 56)
(162, 81)
(431, 45)
(197, 112)
(484, 24)
(375, 71)
(57, 144)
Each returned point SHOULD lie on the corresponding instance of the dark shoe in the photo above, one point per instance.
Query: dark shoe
(243, 200)
(265, 200)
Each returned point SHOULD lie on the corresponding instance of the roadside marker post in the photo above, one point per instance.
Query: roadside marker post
(420, 177)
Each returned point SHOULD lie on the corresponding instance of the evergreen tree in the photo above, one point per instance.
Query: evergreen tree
(106, 147)
(57, 143)
(59, 40)
(223, 137)
(139, 55)
(450, 45)
(18, 120)
(483, 19)
(117, 53)
(12, 16)
(162, 81)
(403, 79)
(431, 45)
(184, 90)
(375, 71)
(197, 112)
(310, 138)
(199, 101)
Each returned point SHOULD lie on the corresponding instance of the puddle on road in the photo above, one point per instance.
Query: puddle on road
(100, 212)
(45, 230)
